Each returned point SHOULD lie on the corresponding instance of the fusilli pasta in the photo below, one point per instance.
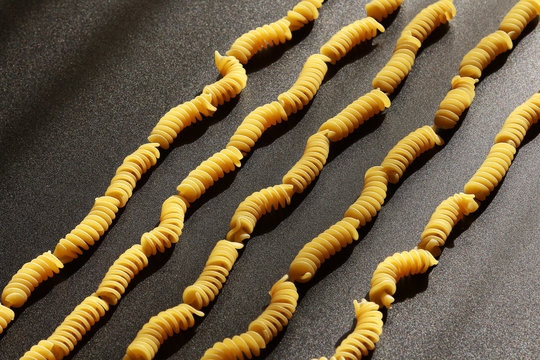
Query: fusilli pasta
(6, 316)
(248, 344)
(455, 102)
(520, 120)
(303, 13)
(476, 60)
(519, 16)
(380, 9)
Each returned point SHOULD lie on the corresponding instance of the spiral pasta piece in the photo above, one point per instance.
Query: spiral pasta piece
(431, 18)
(455, 102)
(208, 172)
(160, 328)
(381, 9)
(443, 220)
(306, 86)
(519, 16)
(476, 60)
(121, 273)
(29, 277)
(408, 149)
(6, 316)
(246, 345)
(310, 258)
(310, 164)
(42, 351)
(393, 268)
(255, 124)
(303, 13)
(254, 207)
(277, 314)
(490, 174)
(355, 114)
(341, 43)
(232, 83)
(520, 120)
(214, 274)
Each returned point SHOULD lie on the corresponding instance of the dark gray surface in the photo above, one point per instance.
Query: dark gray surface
(82, 85)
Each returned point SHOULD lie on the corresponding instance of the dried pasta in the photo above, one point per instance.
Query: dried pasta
(408, 149)
(393, 268)
(6, 316)
(476, 60)
(455, 102)
(246, 345)
(519, 16)
(303, 13)
(520, 120)
(380, 9)
(443, 220)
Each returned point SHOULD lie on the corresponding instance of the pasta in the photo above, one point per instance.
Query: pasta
(519, 16)
(28, 278)
(350, 36)
(43, 351)
(232, 83)
(408, 149)
(411, 39)
(494, 168)
(520, 120)
(393, 268)
(159, 328)
(455, 102)
(248, 344)
(303, 13)
(380, 9)
(6, 316)
(476, 60)
(214, 274)
(443, 220)
(365, 335)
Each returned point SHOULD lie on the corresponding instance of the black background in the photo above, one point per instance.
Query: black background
(82, 85)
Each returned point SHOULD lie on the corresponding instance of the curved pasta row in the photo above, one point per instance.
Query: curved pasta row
(412, 36)
(408, 149)
(455, 102)
(520, 120)
(519, 16)
(380, 9)
(491, 46)
(365, 335)
(443, 220)
(395, 267)
(341, 43)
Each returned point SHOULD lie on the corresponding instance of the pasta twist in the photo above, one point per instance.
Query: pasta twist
(430, 18)
(6, 316)
(476, 60)
(365, 335)
(121, 273)
(29, 277)
(393, 268)
(380, 9)
(306, 86)
(490, 174)
(443, 220)
(247, 45)
(255, 124)
(310, 258)
(233, 82)
(350, 36)
(354, 115)
(303, 13)
(76, 324)
(310, 164)
(214, 274)
(254, 207)
(519, 16)
(520, 120)
(277, 314)
(208, 172)
(180, 117)
(160, 328)
(455, 102)
(408, 149)
(42, 351)
(241, 346)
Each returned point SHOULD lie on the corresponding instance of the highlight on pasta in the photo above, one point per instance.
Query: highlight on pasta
(381, 9)
(483, 54)
(455, 102)
(519, 16)
(519, 122)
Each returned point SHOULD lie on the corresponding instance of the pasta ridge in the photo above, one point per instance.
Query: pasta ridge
(6, 316)
(519, 121)
(455, 102)
(42, 351)
(393, 268)
(519, 16)
(303, 13)
(491, 46)
(231, 84)
(380, 9)
(246, 345)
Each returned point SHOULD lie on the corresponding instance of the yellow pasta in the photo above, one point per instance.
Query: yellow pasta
(490, 174)
(311, 163)
(6, 316)
(254, 207)
(160, 327)
(355, 114)
(232, 83)
(214, 274)
(365, 335)
(350, 36)
(430, 18)
(443, 220)
(380, 9)
(519, 16)
(29, 277)
(303, 13)
(310, 258)
(408, 149)
(393, 268)
(520, 120)
(246, 345)
(455, 102)
(42, 351)
(476, 60)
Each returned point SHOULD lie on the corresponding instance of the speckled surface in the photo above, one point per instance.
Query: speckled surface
(82, 84)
